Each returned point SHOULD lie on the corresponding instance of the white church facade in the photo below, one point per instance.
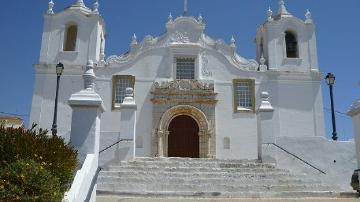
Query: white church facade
(195, 96)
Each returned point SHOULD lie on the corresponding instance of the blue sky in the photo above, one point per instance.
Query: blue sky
(337, 24)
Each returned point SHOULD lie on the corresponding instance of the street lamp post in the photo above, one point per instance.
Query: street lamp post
(59, 71)
(330, 80)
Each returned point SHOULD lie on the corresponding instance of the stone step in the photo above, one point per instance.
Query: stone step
(226, 175)
(153, 187)
(180, 159)
(208, 194)
(319, 197)
(191, 169)
(185, 175)
(219, 164)
(227, 181)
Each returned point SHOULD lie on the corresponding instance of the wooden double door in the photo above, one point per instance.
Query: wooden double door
(183, 139)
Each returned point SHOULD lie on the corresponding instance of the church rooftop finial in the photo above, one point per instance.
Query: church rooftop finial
(200, 18)
(232, 42)
(170, 18)
(185, 7)
(50, 11)
(282, 8)
(269, 14)
(308, 17)
(80, 3)
(96, 8)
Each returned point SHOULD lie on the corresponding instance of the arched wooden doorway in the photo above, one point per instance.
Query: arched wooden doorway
(206, 135)
(183, 140)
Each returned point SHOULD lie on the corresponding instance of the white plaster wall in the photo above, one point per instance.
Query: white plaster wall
(240, 127)
(336, 159)
(289, 118)
(87, 44)
(354, 112)
(298, 108)
(356, 124)
(44, 100)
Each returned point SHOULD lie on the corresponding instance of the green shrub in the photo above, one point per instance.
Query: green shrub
(51, 152)
(26, 180)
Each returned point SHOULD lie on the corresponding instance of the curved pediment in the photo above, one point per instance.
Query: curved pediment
(183, 31)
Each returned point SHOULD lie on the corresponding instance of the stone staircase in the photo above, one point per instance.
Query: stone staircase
(205, 178)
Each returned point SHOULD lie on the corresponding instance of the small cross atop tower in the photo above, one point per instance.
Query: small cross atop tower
(185, 7)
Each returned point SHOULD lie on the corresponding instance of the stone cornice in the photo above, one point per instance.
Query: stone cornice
(50, 69)
(287, 75)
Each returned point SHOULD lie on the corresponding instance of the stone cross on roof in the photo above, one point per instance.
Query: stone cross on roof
(185, 7)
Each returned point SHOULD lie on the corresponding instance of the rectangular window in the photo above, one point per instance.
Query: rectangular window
(244, 95)
(120, 83)
(185, 68)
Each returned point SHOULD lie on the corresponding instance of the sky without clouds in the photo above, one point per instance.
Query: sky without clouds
(337, 25)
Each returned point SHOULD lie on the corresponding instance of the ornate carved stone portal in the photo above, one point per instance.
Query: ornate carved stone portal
(193, 98)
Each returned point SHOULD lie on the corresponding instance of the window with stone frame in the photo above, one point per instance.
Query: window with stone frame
(185, 68)
(244, 95)
(70, 37)
(120, 83)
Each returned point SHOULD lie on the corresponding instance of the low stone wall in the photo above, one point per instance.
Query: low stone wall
(354, 112)
(336, 159)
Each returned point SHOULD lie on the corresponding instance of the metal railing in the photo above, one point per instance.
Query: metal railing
(297, 157)
(93, 182)
(121, 140)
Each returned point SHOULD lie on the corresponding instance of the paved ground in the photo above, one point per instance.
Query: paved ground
(115, 199)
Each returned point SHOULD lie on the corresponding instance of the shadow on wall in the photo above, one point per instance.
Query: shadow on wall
(122, 151)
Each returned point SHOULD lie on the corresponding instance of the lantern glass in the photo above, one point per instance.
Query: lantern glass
(59, 69)
(330, 79)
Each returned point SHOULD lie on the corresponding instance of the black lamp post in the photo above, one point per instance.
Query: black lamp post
(59, 71)
(330, 80)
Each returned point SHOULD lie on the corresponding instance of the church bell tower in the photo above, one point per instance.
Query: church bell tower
(286, 42)
(73, 36)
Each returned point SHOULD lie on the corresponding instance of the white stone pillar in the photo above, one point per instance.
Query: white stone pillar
(208, 136)
(265, 124)
(87, 108)
(128, 118)
(354, 112)
(160, 152)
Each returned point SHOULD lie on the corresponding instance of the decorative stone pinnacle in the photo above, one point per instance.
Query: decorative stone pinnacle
(232, 42)
(262, 59)
(170, 18)
(232, 39)
(265, 105)
(134, 40)
(50, 11)
(129, 92)
(200, 18)
(185, 7)
(262, 66)
(89, 76)
(282, 8)
(265, 95)
(80, 3)
(96, 8)
(308, 16)
(269, 14)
